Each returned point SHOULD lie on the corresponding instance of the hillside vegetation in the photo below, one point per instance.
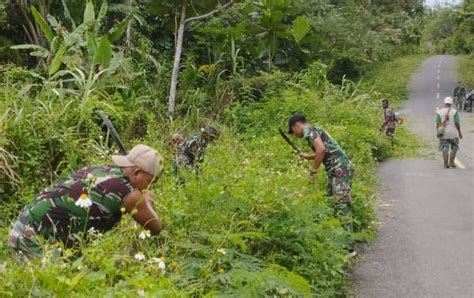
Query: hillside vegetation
(250, 224)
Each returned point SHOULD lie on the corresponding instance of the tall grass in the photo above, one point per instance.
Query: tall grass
(249, 225)
(466, 69)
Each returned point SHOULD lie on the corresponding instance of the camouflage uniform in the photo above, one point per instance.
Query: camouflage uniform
(190, 152)
(338, 166)
(55, 215)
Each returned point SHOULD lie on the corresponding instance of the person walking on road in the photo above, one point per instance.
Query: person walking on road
(390, 122)
(449, 132)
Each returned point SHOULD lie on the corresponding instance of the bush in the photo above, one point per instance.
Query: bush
(250, 224)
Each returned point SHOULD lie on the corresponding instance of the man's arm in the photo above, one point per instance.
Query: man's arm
(145, 214)
(307, 156)
(457, 124)
(319, 152)
(438, 120)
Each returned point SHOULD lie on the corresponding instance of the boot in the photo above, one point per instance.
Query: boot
(452, 156)
(445, 159)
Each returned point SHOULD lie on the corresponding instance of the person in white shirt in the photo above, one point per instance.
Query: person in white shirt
(449, 132)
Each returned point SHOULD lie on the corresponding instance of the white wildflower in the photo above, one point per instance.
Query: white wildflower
(162, 265)
(161, 262)
(141, 292)
(139, 256)
(221, 251)
(144, 234)
(84, 201)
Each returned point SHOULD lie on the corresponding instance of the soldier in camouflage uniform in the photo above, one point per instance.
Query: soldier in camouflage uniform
(95, 198)
(339, 168)
(190, 151)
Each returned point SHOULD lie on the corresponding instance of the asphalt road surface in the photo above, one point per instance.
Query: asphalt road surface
(425, 245)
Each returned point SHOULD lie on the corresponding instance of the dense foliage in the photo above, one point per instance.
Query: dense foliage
(250, 223)
(451, 30)
(466, 70)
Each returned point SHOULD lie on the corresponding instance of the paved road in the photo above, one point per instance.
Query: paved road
(425, 246)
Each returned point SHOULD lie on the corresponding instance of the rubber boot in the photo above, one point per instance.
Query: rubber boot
(452, 156)
(445, 159)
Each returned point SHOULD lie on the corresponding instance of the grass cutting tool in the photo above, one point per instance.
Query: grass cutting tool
(113, 132)
(296, 150)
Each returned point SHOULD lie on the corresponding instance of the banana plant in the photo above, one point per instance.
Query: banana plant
(82, 48)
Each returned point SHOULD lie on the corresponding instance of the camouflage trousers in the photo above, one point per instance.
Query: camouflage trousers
(340, 183)
(339, 187)
(181, 162)
(23, 238)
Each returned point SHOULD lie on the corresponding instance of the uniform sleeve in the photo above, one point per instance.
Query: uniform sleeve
(456, 118)
(310, 134)
(438, 119)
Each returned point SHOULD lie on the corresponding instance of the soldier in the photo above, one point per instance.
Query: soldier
(326, 150)
(459, 94)
(94, 198)
(190, 151)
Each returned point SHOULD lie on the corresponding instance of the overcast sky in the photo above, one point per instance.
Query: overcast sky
(442, 2)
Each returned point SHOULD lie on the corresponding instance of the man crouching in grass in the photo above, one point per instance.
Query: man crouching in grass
(95, 198)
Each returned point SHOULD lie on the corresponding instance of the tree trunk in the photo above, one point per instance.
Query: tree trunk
(129, 26)
(177, 59)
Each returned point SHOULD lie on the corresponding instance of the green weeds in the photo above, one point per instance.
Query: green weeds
(249, 225)
(466, 69)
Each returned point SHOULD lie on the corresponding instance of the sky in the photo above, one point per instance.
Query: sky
(442, 2)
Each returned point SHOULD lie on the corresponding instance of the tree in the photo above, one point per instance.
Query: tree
(188, 11)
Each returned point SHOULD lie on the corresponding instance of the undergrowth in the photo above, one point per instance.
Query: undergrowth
(249, 225)
(466, 69)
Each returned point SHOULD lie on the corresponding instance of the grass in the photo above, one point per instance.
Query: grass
(250, 224)
(466, 69)
(391, 79)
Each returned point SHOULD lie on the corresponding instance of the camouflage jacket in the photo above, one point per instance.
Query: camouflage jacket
(191, 150)
(459, 91)
(56, 214)
(334, 156)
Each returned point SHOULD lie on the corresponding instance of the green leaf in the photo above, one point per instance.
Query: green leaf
(89, 14)
(28, 47)
(57, 61)
(41, 54)
(67, 14)
(157, 7)
(91, 46)
(48, 33)
(300, 28)
(118, 30)
(101, 16)
(103, 53)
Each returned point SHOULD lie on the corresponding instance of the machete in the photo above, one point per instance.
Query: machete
(284, 136)
(113, 132)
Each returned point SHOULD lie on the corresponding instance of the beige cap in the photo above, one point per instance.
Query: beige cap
(142, 156)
